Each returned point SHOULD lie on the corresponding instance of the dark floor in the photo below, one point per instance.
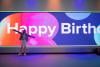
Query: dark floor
(50, 60)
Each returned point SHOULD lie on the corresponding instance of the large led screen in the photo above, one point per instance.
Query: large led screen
(50, 28)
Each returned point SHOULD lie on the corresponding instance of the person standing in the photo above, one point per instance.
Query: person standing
(24, 39)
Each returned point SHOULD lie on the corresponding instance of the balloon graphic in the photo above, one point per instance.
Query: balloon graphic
(26, 20)
(97, 38)
(78, 16)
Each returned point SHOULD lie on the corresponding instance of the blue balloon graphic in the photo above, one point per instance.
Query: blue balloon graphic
(78, 16)
(97, 38)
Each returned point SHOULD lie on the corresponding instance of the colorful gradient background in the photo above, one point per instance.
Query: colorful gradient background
(51, 19)
(28, 19)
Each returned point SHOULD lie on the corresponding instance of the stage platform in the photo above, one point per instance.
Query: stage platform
(59, 49)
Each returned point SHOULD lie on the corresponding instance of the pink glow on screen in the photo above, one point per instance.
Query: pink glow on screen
(28, 19)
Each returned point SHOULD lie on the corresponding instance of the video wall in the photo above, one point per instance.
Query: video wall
(50, 28)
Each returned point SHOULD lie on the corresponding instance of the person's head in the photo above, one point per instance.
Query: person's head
(24, 31)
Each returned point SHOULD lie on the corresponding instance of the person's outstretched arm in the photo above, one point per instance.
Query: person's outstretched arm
(30, 36)
(17, 31)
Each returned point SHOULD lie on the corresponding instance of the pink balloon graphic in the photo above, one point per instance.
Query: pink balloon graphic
(38, 22)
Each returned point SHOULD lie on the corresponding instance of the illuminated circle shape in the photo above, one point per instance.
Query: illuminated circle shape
(78, 16)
